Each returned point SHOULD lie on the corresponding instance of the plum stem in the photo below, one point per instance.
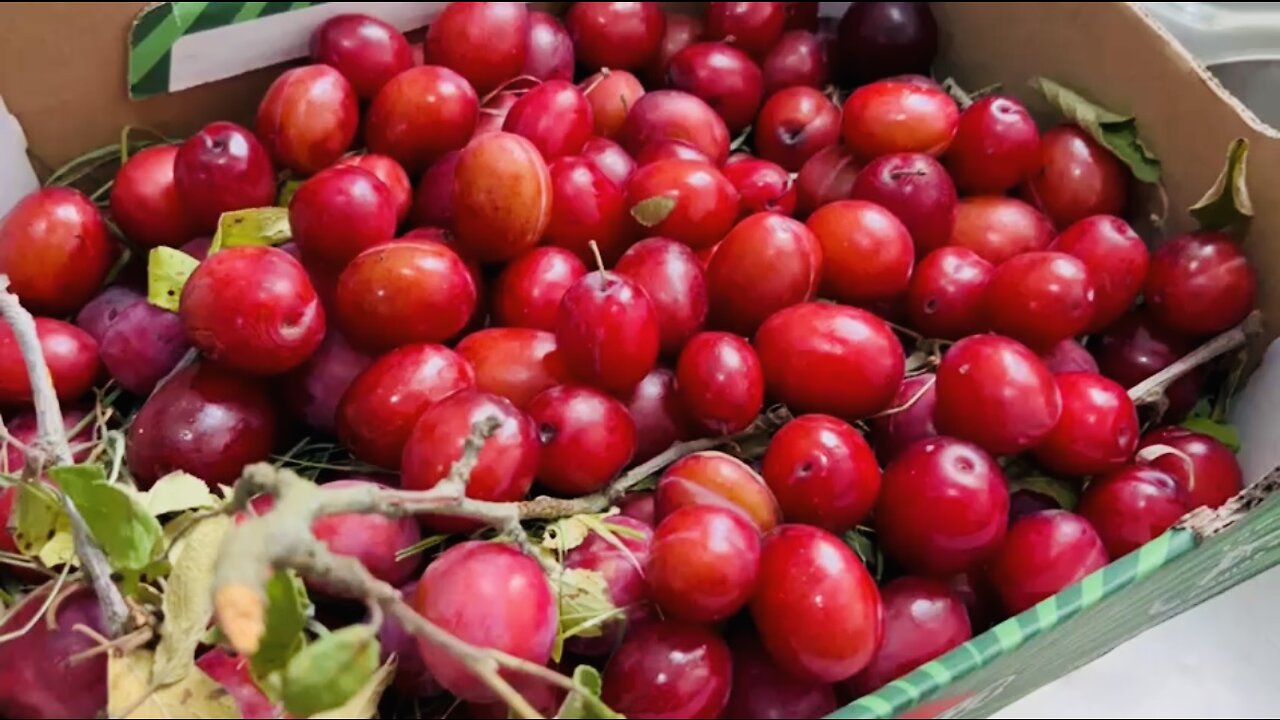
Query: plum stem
(1150, 453)
(507, 86)
(910, 401)
(51, 444)
(1152, 389)
(906, 331)
(598, 78)
(595, 252)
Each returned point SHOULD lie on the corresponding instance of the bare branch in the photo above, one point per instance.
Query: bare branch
(51, 444)
(548, 508)
(1152, 389)
(51, 435)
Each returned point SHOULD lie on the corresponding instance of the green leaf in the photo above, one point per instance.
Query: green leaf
(585, 606)
(286, 618)
(287, 191)
(861, 542)
(176, 492)
(188, 600)
(364, 704)
(1227, 204)
(125, 531)
(1118, 133)
(652, 211)
(577, 706)
(167, 271)
(1063, 492)
(40, 518)
(1224, 433)
(255, 226)
(331, 670)
(1202, 408)
(213, 636)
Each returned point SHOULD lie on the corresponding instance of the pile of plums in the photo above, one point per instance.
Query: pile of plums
(622, 229)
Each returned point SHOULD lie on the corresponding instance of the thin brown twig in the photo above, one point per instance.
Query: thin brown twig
(125, 643)
(58, 583)
(1152, 389)
(548, 508)
(51, 444)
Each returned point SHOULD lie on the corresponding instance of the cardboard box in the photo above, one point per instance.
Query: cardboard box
(67, 71)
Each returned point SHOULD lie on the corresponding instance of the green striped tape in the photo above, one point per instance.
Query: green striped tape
(157, 28)
(1164, 578)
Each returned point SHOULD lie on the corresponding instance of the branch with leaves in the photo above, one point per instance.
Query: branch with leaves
(281, 539)
(51, 448)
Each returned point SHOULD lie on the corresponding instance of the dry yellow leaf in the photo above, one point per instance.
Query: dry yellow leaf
(130, 694)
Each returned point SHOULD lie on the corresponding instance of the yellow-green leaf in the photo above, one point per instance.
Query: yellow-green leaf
(125, 531)
(255, 226)
(589, 705)
(650, 212)
(130, 694)
(364, 704)
(167, 271)
(329, 672)
(585, 606)
(287, 191)
(61, 548)
(1227, 204)
(188, 600)
(1118, 133)
(176, 492)
(565, 534)
(286, 618)
(40, 518)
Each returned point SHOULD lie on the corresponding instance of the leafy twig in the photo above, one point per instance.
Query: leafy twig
(51, 445)
(282, 538)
